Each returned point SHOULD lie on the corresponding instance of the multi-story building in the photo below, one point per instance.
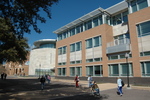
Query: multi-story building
(42, 57)
(107, 43)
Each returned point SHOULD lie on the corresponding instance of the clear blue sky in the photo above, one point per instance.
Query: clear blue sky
(65, 12)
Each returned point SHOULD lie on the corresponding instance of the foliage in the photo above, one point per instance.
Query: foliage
(12, 48)
(25, 13)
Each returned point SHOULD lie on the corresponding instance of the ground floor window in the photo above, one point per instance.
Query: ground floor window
(40, 72)
(145, 66)
(120, 69)
(95, 70)
(61, 72)
(75, 71)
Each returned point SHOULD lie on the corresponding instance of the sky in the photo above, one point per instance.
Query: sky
(64, 12)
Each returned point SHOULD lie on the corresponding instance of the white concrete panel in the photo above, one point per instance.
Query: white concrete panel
(89, 53)
(78, 55)
(144, 43)
(97, 52)
(120, 29)
(72, 56)
(42, 58)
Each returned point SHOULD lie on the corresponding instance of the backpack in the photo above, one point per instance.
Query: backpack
(122, 83)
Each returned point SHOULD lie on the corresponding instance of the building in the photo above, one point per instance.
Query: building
(18, 69)
(107, 43)
(42, 57)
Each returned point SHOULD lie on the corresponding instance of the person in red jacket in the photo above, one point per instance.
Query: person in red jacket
(77, 80)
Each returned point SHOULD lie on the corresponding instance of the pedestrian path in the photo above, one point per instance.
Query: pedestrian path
(82, 83)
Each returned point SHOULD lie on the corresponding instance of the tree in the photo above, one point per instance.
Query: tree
(25, 13)
(12, 48)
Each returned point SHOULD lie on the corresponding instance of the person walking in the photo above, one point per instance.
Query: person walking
(4, 76)
(77, 80)
(42, 80)
(119, 83)
(49, 79)
(89, 80)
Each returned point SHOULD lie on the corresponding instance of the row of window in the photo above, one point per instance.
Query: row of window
(137, 5)
(114, 70)
(117, 19)
(90, 43)
(110, 57)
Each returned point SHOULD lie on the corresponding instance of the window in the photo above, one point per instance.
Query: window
(79, 28)
(125, 16)
(146, 53)
(143, 29)
(75, 71)
(64, 49)
(114, 70)
(72, 71)
(118, 56)
(59, 37)
(95, 22)
(59, 51)
(89, 60)
(61, 71)
(120, 69)
(72, 48)
(78, 46)
(96, 41)
(145, 67)
(78, 61)
(96, 70)
(72, 32)
(89, 43)
(72, 62)
(89, 70)
(93, 42)
(88, 25)
(138, 5)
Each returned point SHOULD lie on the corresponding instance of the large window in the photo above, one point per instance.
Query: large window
(72, 48)
(72, 32)
(78, 46)
(88, 25)
(143, 29)
(120, 18)
(89, 43)
(93, 42)
(145, 67)
(75, 47)
(62, 71)
(75, 71)
(138, 5)
(62, 50)
(96, 70)
(120, 69)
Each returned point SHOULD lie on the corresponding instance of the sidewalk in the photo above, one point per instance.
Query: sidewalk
(102, 86)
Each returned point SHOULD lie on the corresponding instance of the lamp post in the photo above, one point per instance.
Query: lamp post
(127, 55)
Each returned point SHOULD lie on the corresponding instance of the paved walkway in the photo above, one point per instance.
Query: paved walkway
(22, 89)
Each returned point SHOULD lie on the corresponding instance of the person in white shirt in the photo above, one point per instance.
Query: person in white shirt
(89, 80)
(119, 86)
